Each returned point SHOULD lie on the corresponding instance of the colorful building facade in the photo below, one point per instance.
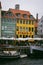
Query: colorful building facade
(17, 23)
(8, 24)
(24, 23)
(25, 28)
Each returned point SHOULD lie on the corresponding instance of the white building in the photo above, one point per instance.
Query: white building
(40, 27)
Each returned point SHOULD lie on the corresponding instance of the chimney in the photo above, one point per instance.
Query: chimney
(0, 5)
(37, 17)
(17, 6)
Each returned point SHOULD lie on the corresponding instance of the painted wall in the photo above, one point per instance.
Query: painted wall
(40, 27)
(23, 28)
(8, 27)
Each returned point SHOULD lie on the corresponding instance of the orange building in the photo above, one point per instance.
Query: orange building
(23, 23)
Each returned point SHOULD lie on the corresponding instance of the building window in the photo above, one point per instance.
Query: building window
(32, 22)
(25, 15)
(20, 35)
(20, 28)
(17, 20)
(40, 25)
(3, 20)
(29, 36)
(9, 14)
(31, 16)
(2, 27)
(27, 22)
(17, 28)
(32, 36)
(23, 28)
(16, 36)
(23, 36)
(21, 21)
(26, 35)
(3, 13)
(18, 14)
(41, 31)
(5, 27)
(32, 29)
(27, 29)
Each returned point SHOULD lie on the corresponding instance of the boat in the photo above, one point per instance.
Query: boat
(9, 54)
(36, 51)
(23, 55)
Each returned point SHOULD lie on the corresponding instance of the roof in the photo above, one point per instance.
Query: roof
(21, 12)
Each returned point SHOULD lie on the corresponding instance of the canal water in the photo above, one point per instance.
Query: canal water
(23, 61)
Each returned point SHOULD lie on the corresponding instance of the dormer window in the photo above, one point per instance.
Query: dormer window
(31, 16)
(9, 14)
(25, 15)
(18, 14)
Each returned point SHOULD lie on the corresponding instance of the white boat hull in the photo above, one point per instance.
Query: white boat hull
(23, 56)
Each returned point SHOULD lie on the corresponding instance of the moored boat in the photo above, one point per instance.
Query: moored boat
(23, 55)
(36, 51)
(9, 54)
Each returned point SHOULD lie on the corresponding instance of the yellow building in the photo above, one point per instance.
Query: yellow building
(25, 28)
(24, 23)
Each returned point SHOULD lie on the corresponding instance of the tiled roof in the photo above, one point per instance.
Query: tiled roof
(20, 11)
(14, 12)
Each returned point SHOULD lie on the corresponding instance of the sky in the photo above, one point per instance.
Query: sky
(34, 6)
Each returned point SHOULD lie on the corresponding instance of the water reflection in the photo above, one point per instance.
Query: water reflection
(23, 61)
